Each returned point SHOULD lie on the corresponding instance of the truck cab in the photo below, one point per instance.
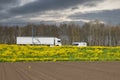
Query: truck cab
(58, 42)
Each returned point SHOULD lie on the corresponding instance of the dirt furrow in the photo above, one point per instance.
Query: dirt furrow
(60, 71)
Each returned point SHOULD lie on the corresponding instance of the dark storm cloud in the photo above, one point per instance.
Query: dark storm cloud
(4, 15)
(109, 16)
(46, 5)
(10, 9)
(7, 3)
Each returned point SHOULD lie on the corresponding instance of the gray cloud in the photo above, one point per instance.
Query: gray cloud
(4, 15)
(10, 9)
(4, 6)
(7, 3)
(109, 16)
(46, 5)
(36, 6)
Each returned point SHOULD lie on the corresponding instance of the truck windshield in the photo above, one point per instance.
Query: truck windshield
(58, 41)
(75, 44)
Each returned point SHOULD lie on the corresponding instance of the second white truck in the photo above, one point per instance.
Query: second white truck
(80, 44)
(52, 41)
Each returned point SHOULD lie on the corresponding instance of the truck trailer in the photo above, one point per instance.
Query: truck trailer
(51, 41)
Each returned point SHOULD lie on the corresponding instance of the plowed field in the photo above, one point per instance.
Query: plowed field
(60, 71)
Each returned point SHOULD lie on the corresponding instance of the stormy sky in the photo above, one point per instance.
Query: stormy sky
(21, 11)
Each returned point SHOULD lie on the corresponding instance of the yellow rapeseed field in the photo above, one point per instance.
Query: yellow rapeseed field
(13, 53)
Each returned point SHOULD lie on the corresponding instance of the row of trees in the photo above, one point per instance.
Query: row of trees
(94, 33)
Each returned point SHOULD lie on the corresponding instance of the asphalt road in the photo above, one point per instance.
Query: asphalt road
(60, 71)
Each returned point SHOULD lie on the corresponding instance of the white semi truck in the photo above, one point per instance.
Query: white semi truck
(39, 41)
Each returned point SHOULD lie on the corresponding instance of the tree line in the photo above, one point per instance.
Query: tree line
(94, 33)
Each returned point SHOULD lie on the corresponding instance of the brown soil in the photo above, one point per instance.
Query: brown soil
(60, 71)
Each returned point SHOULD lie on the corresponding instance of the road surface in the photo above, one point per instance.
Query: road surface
(60, 71)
